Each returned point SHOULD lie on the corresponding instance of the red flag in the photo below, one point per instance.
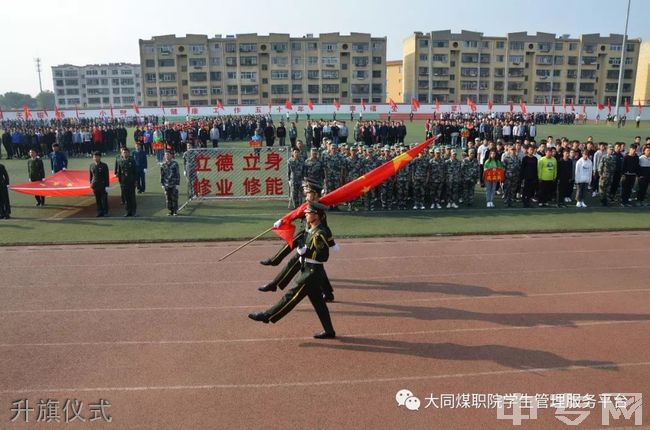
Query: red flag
(584, 107)
(28, 114)
(111, 107)
(76, 111)
(609, 105)
(627, 105)
(490, 105)
(310, 105)
(162, 108)
(287, 104)
(270, 106)
(601, 106)
(522, 106)
(564, 104)
(415, 104)
(573, 106)
(639, 109)
(469, 102)
(363, 104)
(219, 104)
(337, 105)
(512, 108)
(392, 104)
(352, 190)
(437, 105)
(553, 106)
(57, 113)
(136, 108)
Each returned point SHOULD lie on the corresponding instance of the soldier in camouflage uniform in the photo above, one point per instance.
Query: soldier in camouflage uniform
(354, 169)
(402, 185)
(334, 169)
(370, 162)
(296, 175)
(314, 169)
(452, 174)
(437, 175)
(170, 179)
(420, 174)
(606, 170)
(469, 175)
(512, 166)
(386, 188)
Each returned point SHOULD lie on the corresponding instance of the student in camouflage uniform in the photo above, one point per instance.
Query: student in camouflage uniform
(437, 175)
(512, 166)
(314, 169)
(402, 185)
(189, 170)
(606, 172)
(296, 173)
(452, 173)
(420, 175)
(170, 179)
(370, 162)
(470, 172)
(334, 169)
(386, 188)
(354, 169)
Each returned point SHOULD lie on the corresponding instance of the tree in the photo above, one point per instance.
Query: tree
(12, 100)
(45, 100)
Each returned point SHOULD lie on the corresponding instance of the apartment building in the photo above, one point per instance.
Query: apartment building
(537, 69)
(97, 85)
(394, 83)
(642, 87)
(251, 69)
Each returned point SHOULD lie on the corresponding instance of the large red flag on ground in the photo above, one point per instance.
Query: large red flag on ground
(64, 183)
(310, 104)
(28, 114)
(352, 190)
(287, 104)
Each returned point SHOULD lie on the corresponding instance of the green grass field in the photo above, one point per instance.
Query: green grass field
(71, 220)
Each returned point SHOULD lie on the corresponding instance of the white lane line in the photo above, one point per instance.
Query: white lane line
(44, 390)
(175, 262)
(365, 278)
(302, 338)
(210, 308)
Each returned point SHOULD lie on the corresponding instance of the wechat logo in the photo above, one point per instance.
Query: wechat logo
(406, 398)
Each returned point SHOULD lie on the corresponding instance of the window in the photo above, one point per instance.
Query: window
(296, 46)
(70, 73)
(558, 60)
(312, 61)
(198, 77)
(500, 58)
(424, 57)
(516, 59)
(296, 89)
(468, 71)
(516, 46)
(280, 61)
(542, 86)
(376, 74)
(515, 86)
(468, 85)
(231, 47)
(215, 91)
(515, 72)
(498, 73)
(72, 92)
(573, 46)
(570, 86)
(128, 90)
(330, 74)
(423, 43)
(165, 92)
(500, 44)
(279, 46)
(296, 75)
(312, 46)
(360, 46)
(94, 100)
(543, 73)
(197, 62)
(215, 61)
(231, 75)
(329, 47)
(58, 73)
(498, 85)
(97, 91)
(330, 89)
(360, 61)
(376, 60)
(297, 61)
(544, 59)
(313, 89)
(312, 74)
(573, 61)
(279, 89)
(629, 47)
(199, 91)
(589, 48)
(92, 72)
(329, 61)
(197, 49)
(588, 60)
(359, 74)
(169, 62)
(232, 90)
(470, 43)
(587, 74)
(168, 77)
(116, 81)
(544, 46)
(377, 88)
(559, 46)
(248, 75)
(248, 47)
(231, 61)
(148, 49)
(279, 74)
(439, 84)
(616, 47)
(248, 61)
(89, 82)
(423, 85)
(587, 86)
(165, 49)
(248, 89)
(215, 76)
(151, 92)
(572, 74)
(441, 58)
(440, 43)
(116, 90)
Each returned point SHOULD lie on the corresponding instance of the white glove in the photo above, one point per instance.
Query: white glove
(302, 250)
(64, 168)
(277, 224)
(163, 187)
(106, 189)
(52, 171)
(145, 171)
(336, 247)
(176, 186)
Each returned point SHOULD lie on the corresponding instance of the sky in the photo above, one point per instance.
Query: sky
(89, 32)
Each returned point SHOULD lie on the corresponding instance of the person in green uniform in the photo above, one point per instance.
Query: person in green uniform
(99, 183)
(36, 172)
(5, 205)
(127, 172)
(312, 254)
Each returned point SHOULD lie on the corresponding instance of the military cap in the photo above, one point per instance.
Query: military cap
(314, 149)
(431, 150)
(334, 145)
(472, 151)
(316, 207)
(447, 147)
(610, 146)
(97, 153)
(386, 148)
(437, 150)
(311, 186)
(477, 139)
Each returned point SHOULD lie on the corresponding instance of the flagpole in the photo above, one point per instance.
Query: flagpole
(621, 66)
(245, 244)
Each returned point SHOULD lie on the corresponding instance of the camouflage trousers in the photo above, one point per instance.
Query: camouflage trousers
(402, 193)
(419, 187)
(510, 189)
(468, 192)
(436, 192)
(453, 191)
(604, 184)
(295, 195)
(370, 199)
(386, 194)
(332, 183)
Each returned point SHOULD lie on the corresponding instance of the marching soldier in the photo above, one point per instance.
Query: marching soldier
(170, 179)
(312, 255)
(126, 171)
(99, 182)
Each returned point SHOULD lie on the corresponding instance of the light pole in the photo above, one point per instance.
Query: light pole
(622, 65)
